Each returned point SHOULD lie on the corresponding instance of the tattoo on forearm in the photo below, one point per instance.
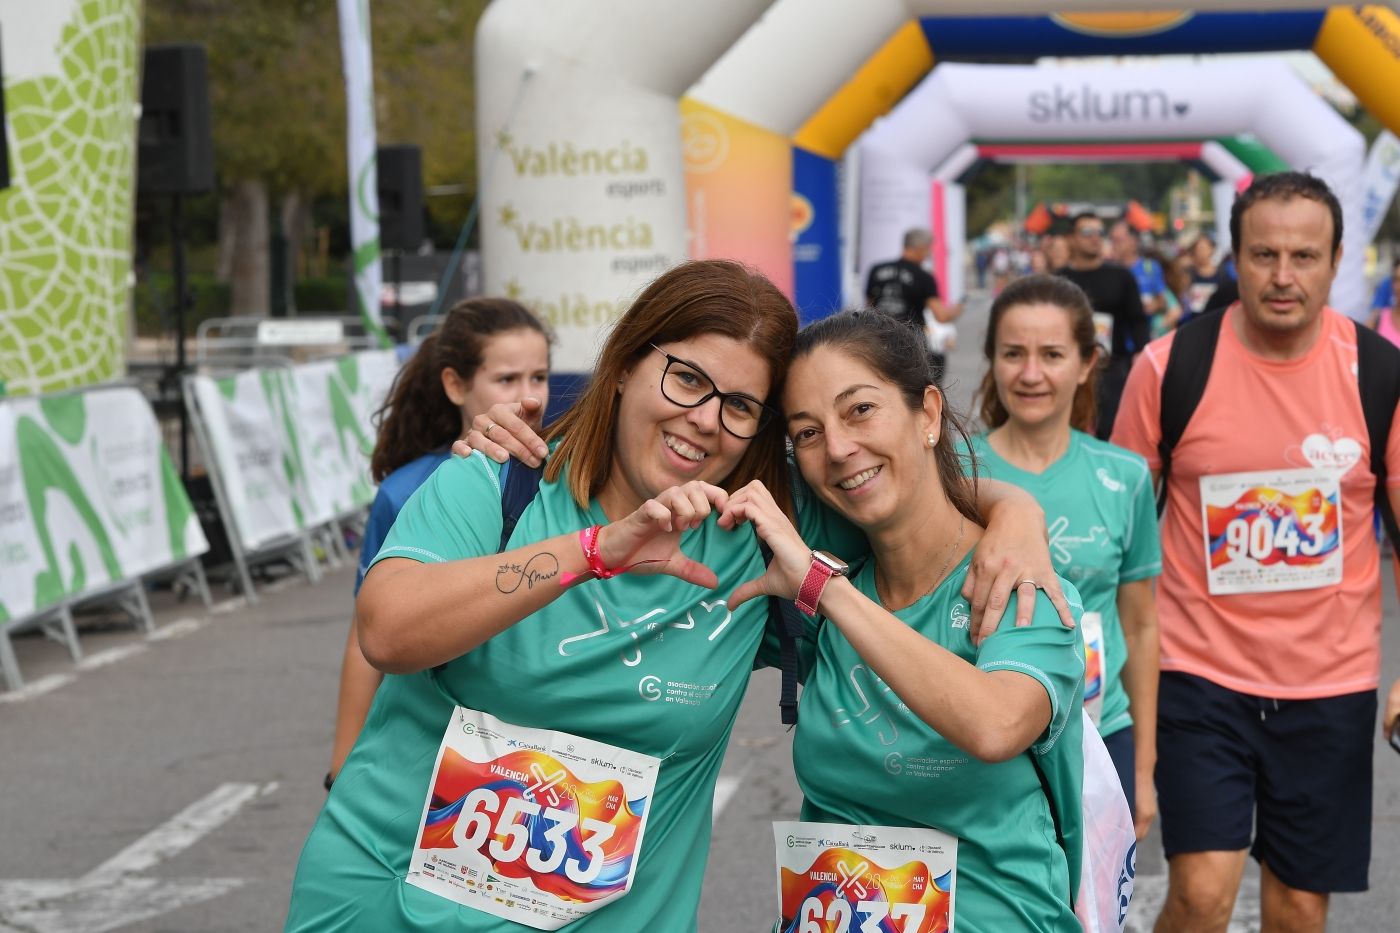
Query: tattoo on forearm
(543, 566)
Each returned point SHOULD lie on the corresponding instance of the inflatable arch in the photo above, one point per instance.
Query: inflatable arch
(1266, 99)
(618, 137)
(1216, 159)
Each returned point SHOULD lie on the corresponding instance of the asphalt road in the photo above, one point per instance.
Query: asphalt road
(168, 784)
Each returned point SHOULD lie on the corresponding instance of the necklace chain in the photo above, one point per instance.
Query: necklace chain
(953, 549)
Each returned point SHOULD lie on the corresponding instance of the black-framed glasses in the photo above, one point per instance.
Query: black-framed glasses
(687, 385)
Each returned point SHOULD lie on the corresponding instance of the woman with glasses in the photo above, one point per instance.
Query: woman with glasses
(545, 749)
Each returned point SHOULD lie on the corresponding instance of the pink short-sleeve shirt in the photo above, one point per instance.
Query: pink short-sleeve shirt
(1263, 415)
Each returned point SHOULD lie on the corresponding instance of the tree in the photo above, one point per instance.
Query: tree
(277, 99)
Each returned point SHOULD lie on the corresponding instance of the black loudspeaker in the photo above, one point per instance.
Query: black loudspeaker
(175, 151)
(400, 197)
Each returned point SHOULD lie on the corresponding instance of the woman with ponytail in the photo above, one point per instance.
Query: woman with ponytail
(1037, 403)
(487, 350)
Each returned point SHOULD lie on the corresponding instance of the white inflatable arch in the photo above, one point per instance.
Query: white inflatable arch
(948, 198)
(618, 137)
(900, 154)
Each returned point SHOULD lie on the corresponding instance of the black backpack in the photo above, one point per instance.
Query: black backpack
(1188, 371)
(523, 482)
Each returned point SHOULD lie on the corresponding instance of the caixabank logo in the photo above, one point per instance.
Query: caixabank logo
(1086, 104)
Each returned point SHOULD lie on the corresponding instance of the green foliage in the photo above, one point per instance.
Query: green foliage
(330, 294)
(991, 195)
(153, 301)
(277, 91)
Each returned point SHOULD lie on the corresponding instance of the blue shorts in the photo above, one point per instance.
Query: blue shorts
(1123, 750)
(1298, 771)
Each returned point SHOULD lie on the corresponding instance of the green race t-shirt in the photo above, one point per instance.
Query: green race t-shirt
(648, 663)
(863, 757)
(1102, 520)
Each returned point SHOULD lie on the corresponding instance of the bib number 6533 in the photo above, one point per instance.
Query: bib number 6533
(482, 816)
(874, 914)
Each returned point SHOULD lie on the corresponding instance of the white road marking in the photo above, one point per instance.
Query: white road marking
(725, 788)
(112, 655)
(36, 688)
(110, 896)
(181, 831)
(177, 629)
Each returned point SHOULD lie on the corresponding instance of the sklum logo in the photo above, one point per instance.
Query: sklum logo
(1086, 104)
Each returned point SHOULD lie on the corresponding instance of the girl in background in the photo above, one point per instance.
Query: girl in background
(487, 350)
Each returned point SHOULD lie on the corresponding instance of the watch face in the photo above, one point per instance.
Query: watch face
(838, 566)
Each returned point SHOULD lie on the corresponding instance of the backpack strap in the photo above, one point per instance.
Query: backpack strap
(1378, 379)
(1183, 385)
(784, 617)
(519, 484)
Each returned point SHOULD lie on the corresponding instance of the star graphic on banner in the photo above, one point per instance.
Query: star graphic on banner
(508, 216)
(513, 290)
(504, 139)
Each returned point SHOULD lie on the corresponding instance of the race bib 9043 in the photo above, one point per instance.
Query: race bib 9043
(837, 878)
(534, 826)
(1272, 531)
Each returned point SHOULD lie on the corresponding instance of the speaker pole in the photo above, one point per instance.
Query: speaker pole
(400, 332)
(177, 244)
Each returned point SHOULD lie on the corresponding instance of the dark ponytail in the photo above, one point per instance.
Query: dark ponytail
(417, 417)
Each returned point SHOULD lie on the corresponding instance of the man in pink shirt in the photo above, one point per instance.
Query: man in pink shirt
(1269, 600)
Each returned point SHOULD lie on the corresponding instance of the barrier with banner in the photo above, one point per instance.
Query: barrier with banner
(89, 501)
(289, 447)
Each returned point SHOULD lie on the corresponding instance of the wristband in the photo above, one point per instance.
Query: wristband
(588, 538)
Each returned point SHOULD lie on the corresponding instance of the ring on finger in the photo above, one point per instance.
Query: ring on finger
(1030, 581)
(490, 426)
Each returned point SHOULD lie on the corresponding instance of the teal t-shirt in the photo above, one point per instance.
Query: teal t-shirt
(648, 663)
(863, 757)
(1102, 519)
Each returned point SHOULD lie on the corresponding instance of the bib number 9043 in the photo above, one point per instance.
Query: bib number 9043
(871, 913)
(483, 816)
(1260, 536)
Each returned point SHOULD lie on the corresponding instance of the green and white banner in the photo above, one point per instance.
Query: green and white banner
(363, 173)
(65, 223)
(250, 451)
(292, 445)
(335, 403)
(88, 496)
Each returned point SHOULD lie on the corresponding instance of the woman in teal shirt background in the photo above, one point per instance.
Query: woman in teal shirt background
(1037, 401)
(906, 719)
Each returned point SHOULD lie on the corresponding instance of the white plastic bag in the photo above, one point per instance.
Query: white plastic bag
(1109, 864)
